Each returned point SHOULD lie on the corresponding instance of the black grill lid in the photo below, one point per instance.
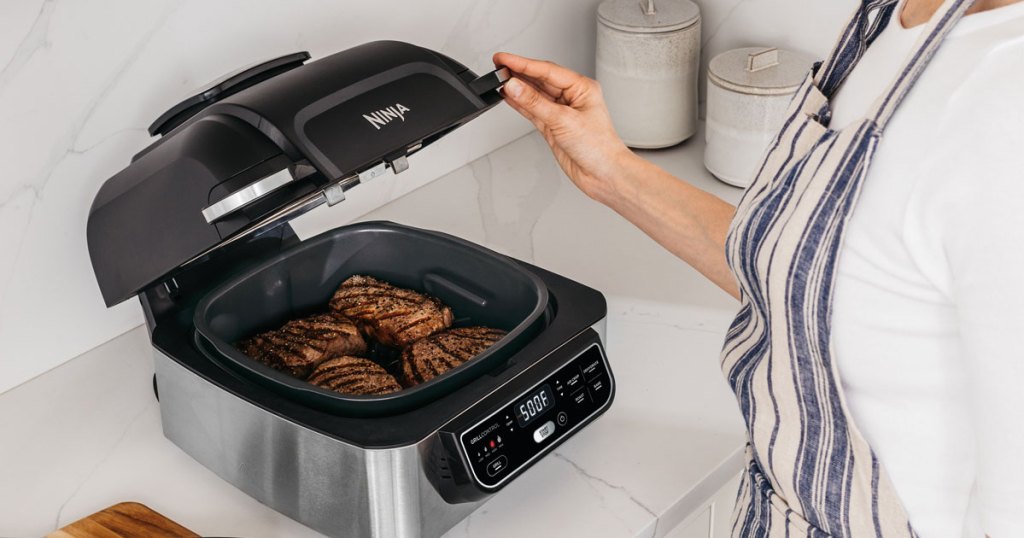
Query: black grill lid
(229, 84)
(263, 145)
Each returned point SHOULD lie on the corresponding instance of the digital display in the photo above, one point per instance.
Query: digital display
(547, 411)
(534, 405)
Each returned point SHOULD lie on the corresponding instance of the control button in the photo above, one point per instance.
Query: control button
(544, 431)
(598, 387)
(562, 419)
(579, 397)
(593, 368)
(574, 381)
(497, 465)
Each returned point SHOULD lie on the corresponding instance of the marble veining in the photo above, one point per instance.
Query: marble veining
(34, 40)
(509, 20)
(594, 478)
(32, 192)
(654, 314)
(710, 33)
(530, 182)
(151, 409)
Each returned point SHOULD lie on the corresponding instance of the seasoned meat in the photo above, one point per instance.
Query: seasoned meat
(301, 344)
(436, 354)
(394, 316)
(339, 335)
(353, 375)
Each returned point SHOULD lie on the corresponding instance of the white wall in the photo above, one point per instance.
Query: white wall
(82, 79)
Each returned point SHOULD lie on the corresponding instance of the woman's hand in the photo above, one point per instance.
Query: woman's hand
(569, 110)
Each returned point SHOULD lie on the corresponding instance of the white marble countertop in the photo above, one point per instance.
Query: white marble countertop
(87, 434)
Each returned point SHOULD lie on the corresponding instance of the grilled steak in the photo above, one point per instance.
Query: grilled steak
(436, 354)
(394, 316)
(301, 344)
(353, 375)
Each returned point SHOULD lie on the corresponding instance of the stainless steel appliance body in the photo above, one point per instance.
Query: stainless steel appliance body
(332, 486)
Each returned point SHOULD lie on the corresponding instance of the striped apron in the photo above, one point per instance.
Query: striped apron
(809, 470)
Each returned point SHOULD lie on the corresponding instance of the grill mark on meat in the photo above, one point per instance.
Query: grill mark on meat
(414, 372)
(394, 316)
(430, 369)
(344, 383)
(360, 386)
(332, 374)
(391, 315)
(352, 385)
(401, 302)
(443, 364)
(353, 375)
(412, 324)
(324, 336)
(299, 349)
(384, 293)
(279, 352)
(441, 352)
(300, 345)
(452, 357)
(371, 292)
(345, 378)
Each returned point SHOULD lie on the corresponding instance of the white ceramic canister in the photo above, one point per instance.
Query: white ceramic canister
(648, 57)
(749, 91)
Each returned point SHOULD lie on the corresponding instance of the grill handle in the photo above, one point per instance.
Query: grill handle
(491, 81)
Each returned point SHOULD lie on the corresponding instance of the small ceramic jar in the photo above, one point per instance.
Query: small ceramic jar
(749, 91)
(648, 56)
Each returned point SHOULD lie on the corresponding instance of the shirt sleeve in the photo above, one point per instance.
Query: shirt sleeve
(976, 208)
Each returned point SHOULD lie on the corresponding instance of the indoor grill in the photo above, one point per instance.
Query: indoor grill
(197, 227)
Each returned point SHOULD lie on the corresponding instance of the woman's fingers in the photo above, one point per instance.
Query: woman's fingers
(528, 101)
(536, 86)
(555, 94)
(547, 73)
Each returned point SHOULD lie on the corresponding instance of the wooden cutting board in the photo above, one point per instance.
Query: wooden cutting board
(124, 520)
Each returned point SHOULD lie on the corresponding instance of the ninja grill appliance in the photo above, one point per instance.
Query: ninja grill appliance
(197, 227)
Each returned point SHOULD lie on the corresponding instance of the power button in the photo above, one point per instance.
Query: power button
(562, 418)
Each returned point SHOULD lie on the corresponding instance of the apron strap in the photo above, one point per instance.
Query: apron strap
(939, 26)
(867, 22)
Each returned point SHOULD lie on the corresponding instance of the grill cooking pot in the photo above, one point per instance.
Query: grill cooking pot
(481, 286)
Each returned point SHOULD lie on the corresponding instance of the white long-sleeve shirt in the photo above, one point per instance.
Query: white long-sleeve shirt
(928, 319)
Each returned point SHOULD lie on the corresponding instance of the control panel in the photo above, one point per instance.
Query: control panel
(537, 418)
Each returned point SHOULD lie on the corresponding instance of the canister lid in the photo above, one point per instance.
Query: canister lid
(760, 70)
(648, 16)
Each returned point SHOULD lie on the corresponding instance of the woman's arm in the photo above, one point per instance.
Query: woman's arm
(568, 109)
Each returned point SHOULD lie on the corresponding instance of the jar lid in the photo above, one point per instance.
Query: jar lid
(648, 16)
(760, 70)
